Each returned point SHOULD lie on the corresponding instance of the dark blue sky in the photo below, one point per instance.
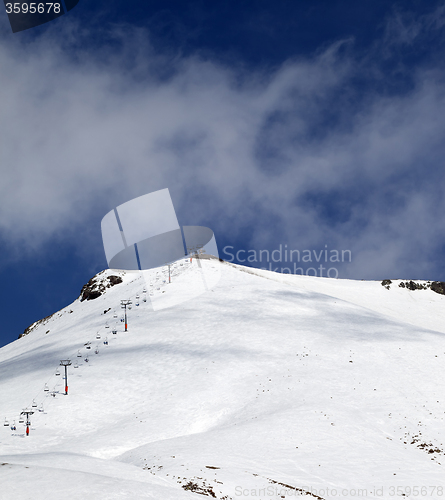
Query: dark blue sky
(256, 32)
(308, 123)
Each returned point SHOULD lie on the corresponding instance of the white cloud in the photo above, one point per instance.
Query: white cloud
(269, 152)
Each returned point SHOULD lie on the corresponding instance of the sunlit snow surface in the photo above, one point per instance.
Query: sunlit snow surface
(264, 382)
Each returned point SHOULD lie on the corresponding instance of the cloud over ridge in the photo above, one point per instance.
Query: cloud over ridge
(339, 148)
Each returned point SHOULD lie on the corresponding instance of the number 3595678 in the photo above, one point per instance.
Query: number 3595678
(32, 8)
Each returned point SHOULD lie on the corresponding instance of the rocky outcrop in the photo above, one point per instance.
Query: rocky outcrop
(30, 328)
(90, 291)
(435, 286)
(411, 285)
(438, 287)
(97, 286)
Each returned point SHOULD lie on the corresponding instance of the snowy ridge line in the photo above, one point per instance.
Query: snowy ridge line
(255, 385)
(141, 275)
(37, 403)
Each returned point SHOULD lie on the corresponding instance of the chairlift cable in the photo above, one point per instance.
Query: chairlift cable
(56, 373)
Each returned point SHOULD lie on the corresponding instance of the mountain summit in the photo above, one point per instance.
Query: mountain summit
(265, 386)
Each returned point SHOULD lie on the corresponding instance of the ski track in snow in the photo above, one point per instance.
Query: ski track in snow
(264, 386)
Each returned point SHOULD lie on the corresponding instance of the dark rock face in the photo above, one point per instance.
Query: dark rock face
(114, 280)
(96, 287)
(92, 290)
(88, 292)
(386, 283)
(42, 321)
(438, 287)
(412, 286)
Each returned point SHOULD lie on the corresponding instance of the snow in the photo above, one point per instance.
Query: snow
(233, 382)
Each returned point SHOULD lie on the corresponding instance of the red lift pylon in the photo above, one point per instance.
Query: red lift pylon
(28, 422)
(124, 304)
(66, 363)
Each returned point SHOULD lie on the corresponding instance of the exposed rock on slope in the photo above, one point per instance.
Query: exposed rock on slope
(30, 328)
(97, 286)
(436, 286)
(92, 290)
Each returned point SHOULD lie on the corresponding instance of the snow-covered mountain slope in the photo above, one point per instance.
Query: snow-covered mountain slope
(262, 387)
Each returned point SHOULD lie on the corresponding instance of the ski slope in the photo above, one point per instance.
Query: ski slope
(262, 386)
